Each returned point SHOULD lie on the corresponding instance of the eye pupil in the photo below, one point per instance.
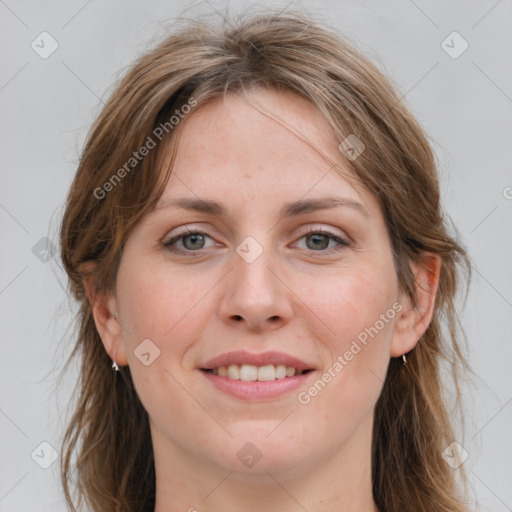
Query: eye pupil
(319, 238)
(194, 237)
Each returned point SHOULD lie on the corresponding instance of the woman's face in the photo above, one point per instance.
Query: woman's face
(292, 259)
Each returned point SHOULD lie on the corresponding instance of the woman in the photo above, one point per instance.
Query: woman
(255, 237)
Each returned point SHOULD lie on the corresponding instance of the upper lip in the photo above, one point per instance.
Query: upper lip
(257, 359)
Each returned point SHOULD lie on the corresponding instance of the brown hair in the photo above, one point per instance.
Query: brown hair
(109, 428)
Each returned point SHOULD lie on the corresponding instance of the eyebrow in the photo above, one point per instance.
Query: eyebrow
(300, 207)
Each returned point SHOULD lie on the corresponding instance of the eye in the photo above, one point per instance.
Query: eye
(318, 240)
(190, 241)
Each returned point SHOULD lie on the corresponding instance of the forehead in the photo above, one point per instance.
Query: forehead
(263, 145)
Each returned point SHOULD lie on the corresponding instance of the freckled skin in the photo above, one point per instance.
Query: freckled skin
(311, 306)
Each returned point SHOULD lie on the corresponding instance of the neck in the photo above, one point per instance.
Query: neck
(340, 480)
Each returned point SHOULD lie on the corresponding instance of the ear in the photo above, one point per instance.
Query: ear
(414, 319)
(104, 307)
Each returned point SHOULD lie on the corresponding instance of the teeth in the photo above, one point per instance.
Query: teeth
(267, 372)
(234, 371)
(290, 372)
(250, 372)
(280, 371)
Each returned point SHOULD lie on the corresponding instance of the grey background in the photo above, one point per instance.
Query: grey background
(47, 105)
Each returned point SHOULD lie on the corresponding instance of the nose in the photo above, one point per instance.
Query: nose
(255, 296)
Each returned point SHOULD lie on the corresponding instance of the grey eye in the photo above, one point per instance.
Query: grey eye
(318, 240)
(196, 241)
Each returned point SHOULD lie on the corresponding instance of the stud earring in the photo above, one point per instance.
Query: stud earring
(404, 360)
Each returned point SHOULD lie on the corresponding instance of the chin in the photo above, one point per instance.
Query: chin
(251, 454)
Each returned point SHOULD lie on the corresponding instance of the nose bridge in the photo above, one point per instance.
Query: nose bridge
(254, 293)
(251, 273)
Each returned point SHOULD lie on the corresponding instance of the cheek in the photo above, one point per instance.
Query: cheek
(352, 304)
(358, 308)
(156, 302)
(168, 310)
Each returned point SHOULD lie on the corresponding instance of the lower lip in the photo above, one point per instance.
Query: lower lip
(257, 390)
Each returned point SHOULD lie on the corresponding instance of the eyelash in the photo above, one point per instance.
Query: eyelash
(169, 245)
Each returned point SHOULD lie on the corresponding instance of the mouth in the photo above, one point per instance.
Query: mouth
(256, 376)
(240, 382)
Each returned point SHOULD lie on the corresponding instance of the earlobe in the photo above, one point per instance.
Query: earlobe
(109, 328)
(105, 314)
(416, 315)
